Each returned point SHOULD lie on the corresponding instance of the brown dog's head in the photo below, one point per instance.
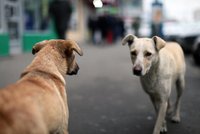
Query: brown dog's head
(61, 52)
(144, 52)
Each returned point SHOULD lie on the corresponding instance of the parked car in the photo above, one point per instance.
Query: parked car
(196, 51)
(185, 33)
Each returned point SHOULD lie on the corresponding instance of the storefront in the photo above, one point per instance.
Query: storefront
(22, 24)
(4, 37)
(25, 22)
(37, 26)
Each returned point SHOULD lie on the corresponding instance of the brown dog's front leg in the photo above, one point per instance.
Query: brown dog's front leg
(160, 122)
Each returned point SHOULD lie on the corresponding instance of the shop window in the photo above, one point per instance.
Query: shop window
(12, 19)
(36, 15)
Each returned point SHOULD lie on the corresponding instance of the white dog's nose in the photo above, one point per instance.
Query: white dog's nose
(137, 70)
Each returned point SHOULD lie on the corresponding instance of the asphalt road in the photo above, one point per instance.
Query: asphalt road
(105, 98)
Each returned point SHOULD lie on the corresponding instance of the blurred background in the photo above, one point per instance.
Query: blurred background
(24, 22)
(105, 97)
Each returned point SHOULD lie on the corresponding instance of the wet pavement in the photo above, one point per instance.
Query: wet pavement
(105, 98)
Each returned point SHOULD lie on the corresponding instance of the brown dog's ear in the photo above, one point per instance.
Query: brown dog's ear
(159, 43)
(128, 39)
(74, 47)
(36, 48)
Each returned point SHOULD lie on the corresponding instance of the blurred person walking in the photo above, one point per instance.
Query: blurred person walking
(60, 11)
(157, 19)
(94, 29)
(136, 25)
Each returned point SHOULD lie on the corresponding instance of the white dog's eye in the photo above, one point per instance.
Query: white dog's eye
(148, 54)
(133, 53)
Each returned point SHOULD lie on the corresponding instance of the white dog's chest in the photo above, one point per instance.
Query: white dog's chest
(153, 84)
(150, 87)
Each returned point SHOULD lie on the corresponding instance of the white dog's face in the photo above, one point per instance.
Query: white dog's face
(144, 52)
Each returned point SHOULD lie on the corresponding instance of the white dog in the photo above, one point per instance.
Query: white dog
(159, 65)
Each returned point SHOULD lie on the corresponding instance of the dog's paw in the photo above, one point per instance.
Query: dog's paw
(164, 132)
(176, 119)
(163, 129)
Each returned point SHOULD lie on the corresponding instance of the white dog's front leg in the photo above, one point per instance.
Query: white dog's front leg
(160, 122)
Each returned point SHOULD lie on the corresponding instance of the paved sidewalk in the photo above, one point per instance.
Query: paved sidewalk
(105, 98)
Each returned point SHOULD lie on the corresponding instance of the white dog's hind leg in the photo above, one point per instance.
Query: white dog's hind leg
(170, 108)
(180, 85)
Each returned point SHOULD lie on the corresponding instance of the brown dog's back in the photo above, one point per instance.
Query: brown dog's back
(18, 112)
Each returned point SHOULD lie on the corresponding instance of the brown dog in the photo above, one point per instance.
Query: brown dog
(37, 103)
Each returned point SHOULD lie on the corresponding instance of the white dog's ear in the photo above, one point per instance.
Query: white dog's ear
(159, 43)
(128, 39)
(36, 48)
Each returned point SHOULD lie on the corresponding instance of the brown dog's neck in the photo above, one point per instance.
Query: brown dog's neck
(52, 61)
(47, 62)
(44, 74)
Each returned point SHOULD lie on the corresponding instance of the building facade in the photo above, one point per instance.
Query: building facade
(25, 22)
